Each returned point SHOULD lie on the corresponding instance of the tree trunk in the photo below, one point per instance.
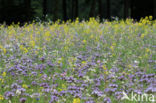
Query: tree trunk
(2, 10)
(76, 8)
(132, 12)
(64, 5)
(27, 4)
(92, 9)
(44, 4)
(100, 9)
(126, 8)
(108, 9)
(56, 10)
(154, 9)
(72, 9)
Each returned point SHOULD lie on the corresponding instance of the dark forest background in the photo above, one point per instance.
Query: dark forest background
(28, 10)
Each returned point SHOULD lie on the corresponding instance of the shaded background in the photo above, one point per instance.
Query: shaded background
(28, 10)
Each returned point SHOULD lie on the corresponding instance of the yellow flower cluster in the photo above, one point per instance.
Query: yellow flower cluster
(76, 100)
(3, 49)
(4, 74)
(1, 97)
(23, 49)
(25, 86)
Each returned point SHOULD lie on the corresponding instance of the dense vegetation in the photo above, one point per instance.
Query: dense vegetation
(28, 10)
(77, 62)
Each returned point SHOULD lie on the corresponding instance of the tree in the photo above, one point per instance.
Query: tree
(108, 9)
(143, 9)
(92, 9)
(44, 4)
(64, 5)
(126, 8)
(27, 4)
(154, 7)
(75, 9)
(100, 9)
(55, 12)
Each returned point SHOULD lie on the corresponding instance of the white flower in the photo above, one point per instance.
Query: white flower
(18, 92)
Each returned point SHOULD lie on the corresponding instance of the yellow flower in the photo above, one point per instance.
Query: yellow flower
(47, 34)
(129, 66)
(60, 89)
(25, 50)
(76, 100)
(104, 67)
(83, 62)
(112, 48)
(4, 50)
(60, 60)
(114, 44)
(24, 86)
(36, 52)
(147, 50)
(91, 36)
(4, 74)
(142, 36)
(32, 43)
(66, 48)
(22, 48)
(105, 72)
(1, 97)
(84, 41)
(150, 17)
(2, 80)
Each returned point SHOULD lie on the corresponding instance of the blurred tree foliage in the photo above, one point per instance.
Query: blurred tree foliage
(27, 10)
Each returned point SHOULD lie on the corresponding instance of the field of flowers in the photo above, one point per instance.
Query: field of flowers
(77, 62)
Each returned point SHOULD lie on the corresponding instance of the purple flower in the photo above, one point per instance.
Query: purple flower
(37, 99)
(45, 85)
(49, 63)
(84, 85)
(118, 95)
(121, 78)
(55, 92)
(107, 100)
(19, 81)
(8, 95)
(47, 90)
(15, 86)
(34, 83)
(80, 75)
(138, 91)
(150, 90)
(78, 95)
(110, 90)
(42, 59)
(34, 73)
(53, 99)
(20, 91)
(44, 76)
(90, 101)
(22, 100)
(113, 85)
(62, 93)
(97, 93)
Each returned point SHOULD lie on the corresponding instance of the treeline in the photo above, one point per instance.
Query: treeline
(27, 10)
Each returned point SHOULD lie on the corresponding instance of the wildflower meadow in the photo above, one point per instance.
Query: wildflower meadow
(78, 62)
